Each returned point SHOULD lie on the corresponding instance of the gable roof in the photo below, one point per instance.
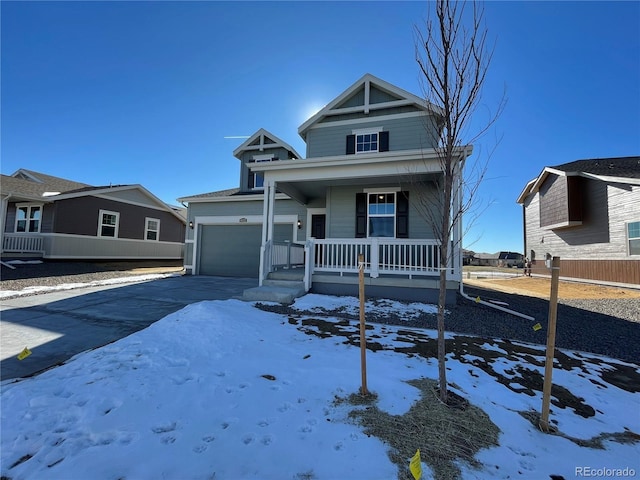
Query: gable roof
(389, 96)
(30, 184)
(35, 186)
(263, 139)
(617, 170)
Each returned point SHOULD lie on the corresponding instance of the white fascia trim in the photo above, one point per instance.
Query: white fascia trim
(364, 131)
(240, 219)
(112, 239)
(604, 178)
(355, 121)
(112, 257)
(240, 198)
(342, 160)
(130, 202)
(160, 205)
(382, 190)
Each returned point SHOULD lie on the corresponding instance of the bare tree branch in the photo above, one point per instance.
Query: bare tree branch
(453, 60)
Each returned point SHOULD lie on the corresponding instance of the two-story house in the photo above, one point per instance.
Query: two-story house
(353, 193)
(587, 212)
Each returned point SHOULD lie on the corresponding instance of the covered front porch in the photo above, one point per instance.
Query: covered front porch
(327, 261)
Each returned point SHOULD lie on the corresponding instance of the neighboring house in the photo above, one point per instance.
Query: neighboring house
(500, 259)
(587, 213)
(55, 218)
(351, 194)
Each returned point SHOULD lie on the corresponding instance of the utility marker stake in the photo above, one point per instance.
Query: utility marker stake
(551, 345)
(363, 340)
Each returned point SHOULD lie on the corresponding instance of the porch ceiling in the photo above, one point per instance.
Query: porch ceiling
(305, 191)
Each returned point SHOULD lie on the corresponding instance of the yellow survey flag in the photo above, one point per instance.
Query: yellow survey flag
(416, 466)
(537, 327)
(24, 354)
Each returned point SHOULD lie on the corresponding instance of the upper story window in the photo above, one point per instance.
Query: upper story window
(28, 218)
(256, 180)
(633, 238)
(108, 223)
(368, 140)
(151, 229)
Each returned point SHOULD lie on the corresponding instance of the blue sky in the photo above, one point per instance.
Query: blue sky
(145, 92)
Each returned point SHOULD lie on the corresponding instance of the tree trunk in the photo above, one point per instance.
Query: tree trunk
(442, 293)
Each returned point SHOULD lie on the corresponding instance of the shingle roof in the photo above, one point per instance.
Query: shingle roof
(220, 193)
(37, 184)
(625, 167)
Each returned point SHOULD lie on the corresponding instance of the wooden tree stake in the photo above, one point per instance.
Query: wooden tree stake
(551, 344)
(363, 339)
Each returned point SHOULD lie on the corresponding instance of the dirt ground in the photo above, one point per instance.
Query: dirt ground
(541, 287)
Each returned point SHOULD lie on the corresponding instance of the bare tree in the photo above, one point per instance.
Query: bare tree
(453, 57)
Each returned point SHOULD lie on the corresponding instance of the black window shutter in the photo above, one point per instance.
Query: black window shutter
(402, 215)
(351, 144)
(361, 215)
(251, 180)
(384, 142)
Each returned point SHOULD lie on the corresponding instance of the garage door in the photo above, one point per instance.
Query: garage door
(234, 250)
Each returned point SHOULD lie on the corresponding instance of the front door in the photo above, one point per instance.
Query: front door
(318, 223)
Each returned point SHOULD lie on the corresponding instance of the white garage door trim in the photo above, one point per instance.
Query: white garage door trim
(203, 220)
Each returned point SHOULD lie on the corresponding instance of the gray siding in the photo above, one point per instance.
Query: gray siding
(247, 157)
(404, 134)
(132, 195)
(341, 212)
(607, 208)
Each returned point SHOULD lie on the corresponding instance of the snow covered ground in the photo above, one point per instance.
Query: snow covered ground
(224, 390)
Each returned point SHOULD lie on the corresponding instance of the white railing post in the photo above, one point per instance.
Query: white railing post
(309, 262)
(375, 258)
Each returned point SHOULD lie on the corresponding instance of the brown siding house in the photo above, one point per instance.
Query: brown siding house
(587, 212)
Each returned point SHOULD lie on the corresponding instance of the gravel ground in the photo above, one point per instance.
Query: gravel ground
(609, 327)
(50, 274)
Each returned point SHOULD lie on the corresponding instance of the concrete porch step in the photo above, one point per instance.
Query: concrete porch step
(296, 274)
(271, 293)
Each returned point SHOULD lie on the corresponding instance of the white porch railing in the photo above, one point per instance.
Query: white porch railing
(381, 256)
(280, 254)
(287, 254)
(22, 243)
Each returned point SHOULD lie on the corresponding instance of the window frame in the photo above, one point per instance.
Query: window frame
(101, 224)
(147, 229)
(28, 219)
(630, 238)
(382, 215)
(366, 131)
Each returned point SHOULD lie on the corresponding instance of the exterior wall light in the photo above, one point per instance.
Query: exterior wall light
(191, 224)
(299, 224)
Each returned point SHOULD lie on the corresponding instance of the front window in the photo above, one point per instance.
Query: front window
(28, 218)
(366, 142)
(152, 229)
(108, 224)
(633, 237)
(382, 214)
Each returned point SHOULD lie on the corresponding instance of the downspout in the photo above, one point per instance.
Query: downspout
(464, 295)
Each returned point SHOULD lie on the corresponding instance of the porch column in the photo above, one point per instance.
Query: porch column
(3, 219)
(267, 229)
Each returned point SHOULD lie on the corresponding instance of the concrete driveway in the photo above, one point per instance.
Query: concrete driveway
(56, 326)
